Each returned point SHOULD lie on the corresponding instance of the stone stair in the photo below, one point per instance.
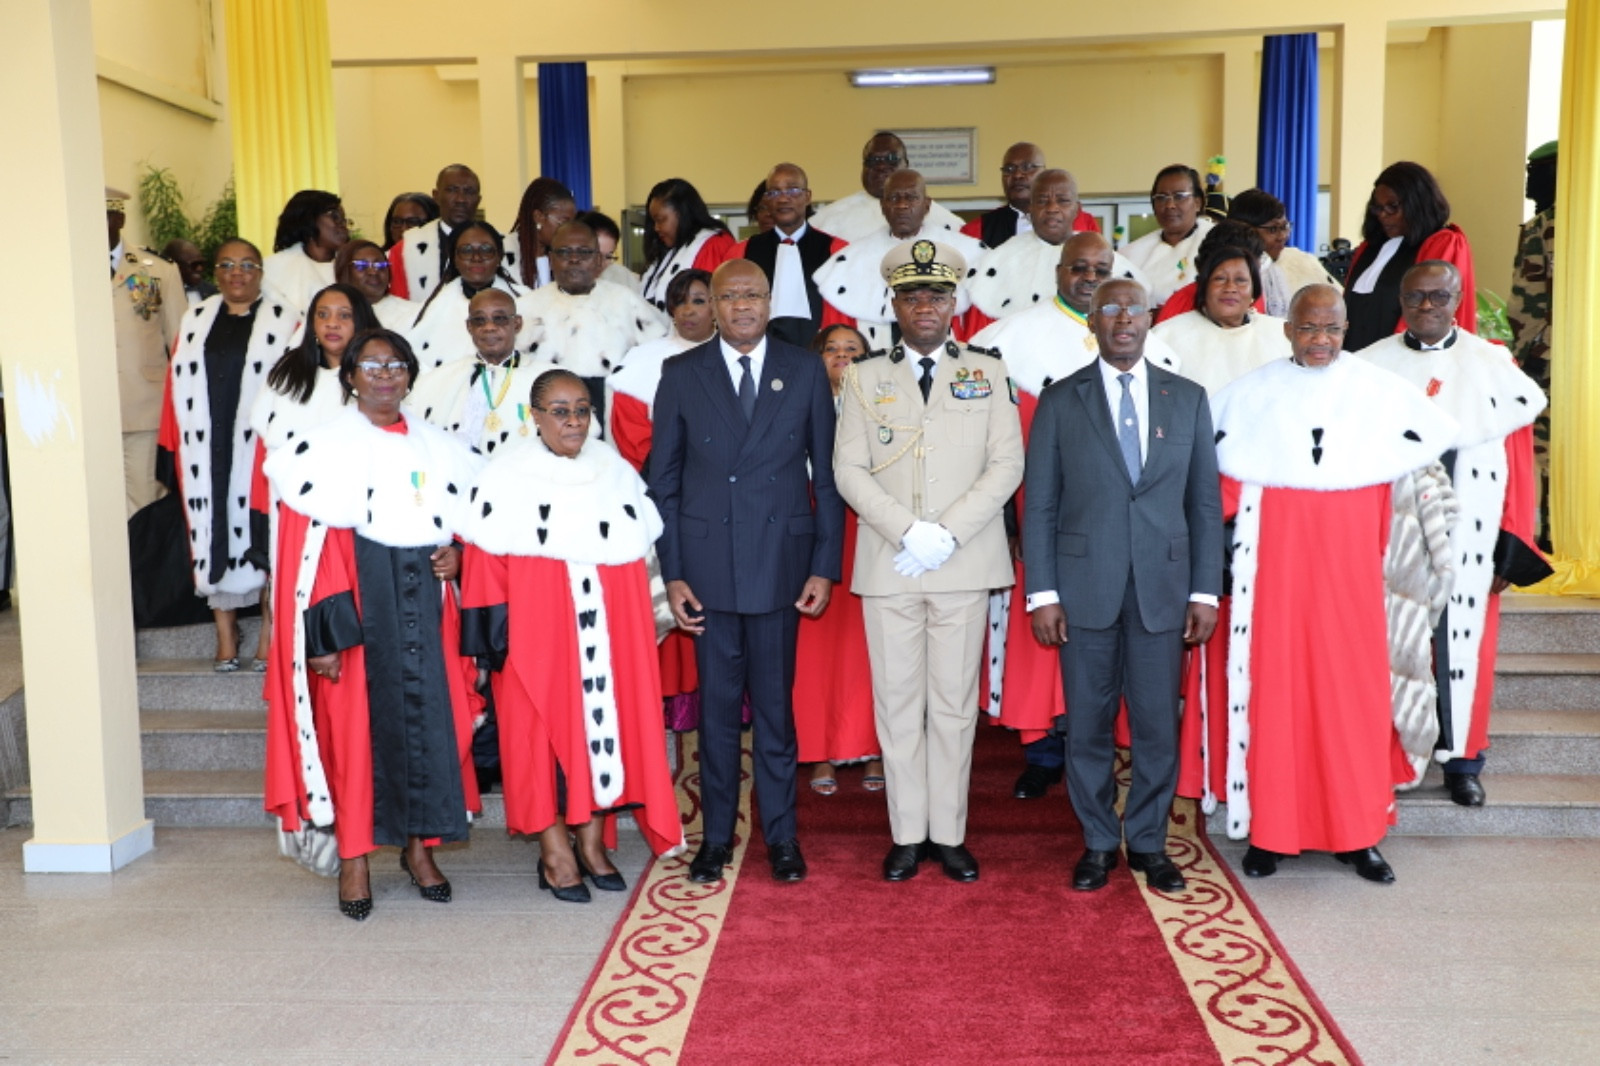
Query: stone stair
(1543, 773)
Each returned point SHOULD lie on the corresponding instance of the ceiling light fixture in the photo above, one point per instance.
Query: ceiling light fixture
(902, 77)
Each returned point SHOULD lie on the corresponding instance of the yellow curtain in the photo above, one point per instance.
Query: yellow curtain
(1575, 368)
(280, 99)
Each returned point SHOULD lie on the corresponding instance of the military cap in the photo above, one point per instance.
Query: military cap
(923, 263)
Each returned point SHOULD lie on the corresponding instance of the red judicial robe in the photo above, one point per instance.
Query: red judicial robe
(557, 595)
(1495, 404)
(384, 752)
(1449, 244)
(707, 251)
(833, 719)
(1312, 754)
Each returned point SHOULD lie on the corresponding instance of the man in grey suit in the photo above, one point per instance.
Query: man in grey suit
(1123, 537)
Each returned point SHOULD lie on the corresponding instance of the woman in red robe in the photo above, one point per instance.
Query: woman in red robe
(370, 703)
(683, 235)
(558, 599)
(833, 719)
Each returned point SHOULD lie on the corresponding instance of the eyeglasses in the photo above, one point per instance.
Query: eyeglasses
(1162, 199)
(1391, 208)
(563, 413)
(336, 214)
(1118, 310)
(1278, 229)
(1019, 168)
(243, 266)
(1308, 331)
(890, 160)
(409, 221)
(1087, 270)
(477, 251)
(369, 266)
(374, 369)
(781, 194)
(500, 321)
(728, 299)
(574, 253)
(1437, 297)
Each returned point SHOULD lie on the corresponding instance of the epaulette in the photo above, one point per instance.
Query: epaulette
(993, 353)
(877, 353)
(897, 353)
(155, 255)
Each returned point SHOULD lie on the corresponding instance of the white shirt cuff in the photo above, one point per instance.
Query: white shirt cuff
(1203, 597)
(1047, 598)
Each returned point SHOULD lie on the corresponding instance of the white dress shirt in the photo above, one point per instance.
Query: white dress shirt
(789, 278)
(1024, 222)
(732, 355)
(1139, 390)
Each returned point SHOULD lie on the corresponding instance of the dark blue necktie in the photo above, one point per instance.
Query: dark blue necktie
(747, 390)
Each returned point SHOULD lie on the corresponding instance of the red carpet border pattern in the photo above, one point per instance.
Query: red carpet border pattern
(642, 994)
(1255, 1006)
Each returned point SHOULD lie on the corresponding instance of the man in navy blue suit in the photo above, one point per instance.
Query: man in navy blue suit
(741, 467)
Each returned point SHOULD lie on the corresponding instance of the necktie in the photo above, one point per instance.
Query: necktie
(747, 390)
(1128, 430)
(926, 380)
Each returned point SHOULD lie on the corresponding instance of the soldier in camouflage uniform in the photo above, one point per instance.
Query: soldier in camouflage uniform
(1529, 308)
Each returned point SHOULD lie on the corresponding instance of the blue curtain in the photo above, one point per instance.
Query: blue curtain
(564, 128)
(1286, 139)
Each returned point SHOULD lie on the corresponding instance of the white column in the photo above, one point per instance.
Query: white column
(1362, 55)
(502, 126)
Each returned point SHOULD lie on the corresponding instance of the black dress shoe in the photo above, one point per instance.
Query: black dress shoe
(1465, 789)
(1368, 864)
(1036, 781)
(578, 893)
(1093, 870)
(1259, 862)
(787, 862)
(1159, 872)
(439, 893)
(901, 862)
(611, 882)
(706, 866)
(958, 863)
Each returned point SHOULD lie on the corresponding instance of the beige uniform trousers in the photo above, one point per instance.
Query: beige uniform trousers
(926, 649)
(139, 470)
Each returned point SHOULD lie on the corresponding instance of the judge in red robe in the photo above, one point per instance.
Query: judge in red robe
(1309, 448)
(370, 703)
(558, 598)
(1491, 465)
(833, 713)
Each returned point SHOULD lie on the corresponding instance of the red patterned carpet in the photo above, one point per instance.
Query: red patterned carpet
(1016, 968)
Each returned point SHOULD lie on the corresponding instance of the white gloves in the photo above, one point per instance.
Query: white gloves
(925, 546)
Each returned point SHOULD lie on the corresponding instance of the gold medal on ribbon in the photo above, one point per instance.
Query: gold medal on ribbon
(418, 479)
(492, 423)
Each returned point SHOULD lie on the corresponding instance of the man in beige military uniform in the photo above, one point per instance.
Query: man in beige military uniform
(929, 449)
(147, 306)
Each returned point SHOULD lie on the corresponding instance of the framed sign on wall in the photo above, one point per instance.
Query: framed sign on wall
(942, 156)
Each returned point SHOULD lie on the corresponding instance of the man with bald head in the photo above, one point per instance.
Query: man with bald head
(582, 322)
(1020, 165)
(417, 261)
(788, 254)
(741, 468)
(1022, 273)
(851, 282)
(861, 213)
(1042, 345)
(1330, 475)
(483, 400)
(1123, 539)
(1491, 465)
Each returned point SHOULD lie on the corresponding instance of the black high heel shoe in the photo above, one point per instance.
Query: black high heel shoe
(611, 882)
(439, 893)
(578, 893)
(359, 909)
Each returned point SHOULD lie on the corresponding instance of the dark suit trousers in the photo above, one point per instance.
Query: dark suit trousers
(1098, 667)
(753, 652)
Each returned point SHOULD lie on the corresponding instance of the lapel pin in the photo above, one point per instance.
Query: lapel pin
(777, 384)
(1160, 435)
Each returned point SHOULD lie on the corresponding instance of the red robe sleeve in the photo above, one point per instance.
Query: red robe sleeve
(168, 470)
(1085, 223)
(1180, 301)
(1522, 499)
(630, 428)
(717, 250)
(974, 228)
(399, 284)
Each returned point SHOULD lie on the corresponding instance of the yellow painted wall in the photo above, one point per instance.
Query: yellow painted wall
(166, 41)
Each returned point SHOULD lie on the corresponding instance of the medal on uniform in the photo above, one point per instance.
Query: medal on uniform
(885, 392)
(885, 434)
(492, 423)
(418, 479)
(522, 417)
